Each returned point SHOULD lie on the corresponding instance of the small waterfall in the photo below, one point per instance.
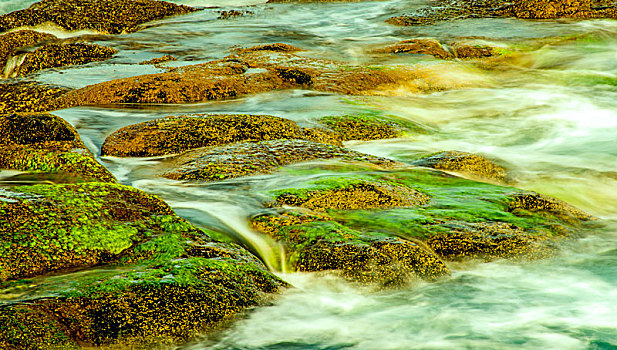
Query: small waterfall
(270, 252)
(12, 65)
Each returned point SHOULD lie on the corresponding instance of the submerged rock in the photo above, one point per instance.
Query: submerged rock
(425, 46)
(159, 60)
(46, 143)
(469, 164)
(443, 10)
(368, 127)
(178, 134)
(257, 70)
(169, 281)
(107, 16)
(16, 97)
(250, 158)
(338, 221)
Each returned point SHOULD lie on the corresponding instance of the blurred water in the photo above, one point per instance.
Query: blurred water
(552, 119)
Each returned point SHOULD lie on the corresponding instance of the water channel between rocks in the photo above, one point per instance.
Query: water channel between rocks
(554, 124)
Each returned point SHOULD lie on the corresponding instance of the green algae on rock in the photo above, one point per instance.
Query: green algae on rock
(469, 164)
(250, 158)
(368, 127)
(18, 97)
(169, 283)
(316, 243)
(47, 143)
(178, 134)
(456, 218)
(107, 16)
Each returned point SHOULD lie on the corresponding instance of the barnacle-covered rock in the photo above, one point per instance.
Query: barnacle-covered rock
(177, 134)
(250, 158)
(107, 16)
(46, 143)
(29, 97)
(465, 163)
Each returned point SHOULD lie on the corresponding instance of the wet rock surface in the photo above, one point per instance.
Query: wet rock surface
(108, 16)
(62, 55)
(10, 42)
(164, 280)
(469, 164)
(257, 70)
(447, 219)
(251, 158)
(46, 143)
(367, 127)
(177, 134)
(27, 96)
(445, 10)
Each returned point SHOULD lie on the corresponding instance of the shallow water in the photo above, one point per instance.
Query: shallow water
(553, 120)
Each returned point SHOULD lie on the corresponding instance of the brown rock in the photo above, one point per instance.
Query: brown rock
(105, 16)
(159, 60)
(29, 97)
(10, 42)
(467, 163)
(249, 158)
(425, 46)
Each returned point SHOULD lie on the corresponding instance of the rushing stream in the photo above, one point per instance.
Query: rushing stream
(553, 121)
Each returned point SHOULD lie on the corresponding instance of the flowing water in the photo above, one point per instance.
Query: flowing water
(553, 120)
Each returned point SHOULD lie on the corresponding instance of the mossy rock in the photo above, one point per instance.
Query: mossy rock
(355, 195)
(62, 55)
(457, 218)
(424, 46)
(168, 282)
(322, 135)
(473, 165)
(178, 134)
(250, 158)
(48, 228)
(316, 243)
(29, 97)
(109, 16)
(47, 143)
(10, 42)
(368, 127)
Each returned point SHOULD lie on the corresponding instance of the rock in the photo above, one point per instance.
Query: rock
(62, 55)
(534, 202)
(443, 10)
(368, 127)
(260, 70)
(322, 135)
(227, 14)
(159, 60)
(108, 16)
(250, 158)
(424, 46)
(168, 283)
(476, 49)
(177, 134)
(29, 97)
(10, 42)
(276, 47)
(360, 195)
(469, 164)
(46, 143)
(317, 244)
(339, 219)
